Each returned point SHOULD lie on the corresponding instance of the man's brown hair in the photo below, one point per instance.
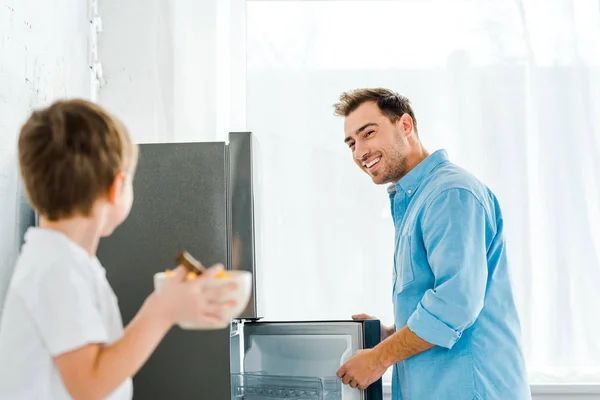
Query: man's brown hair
(69, 156)
(390, 103)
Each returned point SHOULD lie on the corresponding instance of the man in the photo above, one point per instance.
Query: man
(457, 333)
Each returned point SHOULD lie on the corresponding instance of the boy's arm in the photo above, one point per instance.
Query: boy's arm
(95, 370)
(61, 303)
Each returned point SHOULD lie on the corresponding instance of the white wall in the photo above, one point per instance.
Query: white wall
(159, 60)
(43, 55)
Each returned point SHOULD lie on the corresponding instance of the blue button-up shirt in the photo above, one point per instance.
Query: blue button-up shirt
(452, 287)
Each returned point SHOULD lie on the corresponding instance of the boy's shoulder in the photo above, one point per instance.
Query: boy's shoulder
(49, 258)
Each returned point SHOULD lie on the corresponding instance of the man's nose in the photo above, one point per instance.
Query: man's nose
(361, 152)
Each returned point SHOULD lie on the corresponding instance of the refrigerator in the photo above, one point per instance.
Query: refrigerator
(200, 197)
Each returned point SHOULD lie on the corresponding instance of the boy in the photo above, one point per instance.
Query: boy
(61, 333)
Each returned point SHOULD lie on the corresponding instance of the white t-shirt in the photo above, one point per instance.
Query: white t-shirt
(58, 300)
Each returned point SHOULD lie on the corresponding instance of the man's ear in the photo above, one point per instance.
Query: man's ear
(406, 124)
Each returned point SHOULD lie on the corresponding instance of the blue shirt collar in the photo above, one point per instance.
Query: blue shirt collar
(411, 181)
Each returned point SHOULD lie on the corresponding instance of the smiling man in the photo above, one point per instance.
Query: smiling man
(457, 333)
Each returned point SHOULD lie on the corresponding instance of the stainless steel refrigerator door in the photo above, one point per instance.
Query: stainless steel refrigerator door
(180, 203)
(242, 210)
(285, 359)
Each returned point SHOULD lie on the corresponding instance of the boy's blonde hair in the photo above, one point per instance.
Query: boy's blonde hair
(69, 156)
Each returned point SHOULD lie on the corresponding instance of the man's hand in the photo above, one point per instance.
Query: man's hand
(362, 369)
(386, 331)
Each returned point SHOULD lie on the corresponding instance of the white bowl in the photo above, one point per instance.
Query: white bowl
(241, 295)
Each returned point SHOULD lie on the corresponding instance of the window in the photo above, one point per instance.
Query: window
(507, 89)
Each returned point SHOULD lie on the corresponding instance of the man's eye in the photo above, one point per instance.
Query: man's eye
(369, 133)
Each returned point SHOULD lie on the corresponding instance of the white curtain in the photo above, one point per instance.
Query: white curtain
(510, 88)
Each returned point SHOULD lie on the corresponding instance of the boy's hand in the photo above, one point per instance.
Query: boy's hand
(192, 300)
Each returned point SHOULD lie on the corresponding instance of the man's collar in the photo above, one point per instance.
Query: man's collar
(411, 181)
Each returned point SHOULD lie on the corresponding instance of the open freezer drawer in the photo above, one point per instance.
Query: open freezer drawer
(281, 360)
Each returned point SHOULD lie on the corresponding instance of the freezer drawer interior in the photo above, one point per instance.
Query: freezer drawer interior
(295, 360)
(255, 386)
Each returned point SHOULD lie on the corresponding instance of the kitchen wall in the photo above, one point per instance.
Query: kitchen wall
(160, 69)
(43, 55)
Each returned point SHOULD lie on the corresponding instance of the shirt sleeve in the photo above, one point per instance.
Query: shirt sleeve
(454, 236)
(63, 305)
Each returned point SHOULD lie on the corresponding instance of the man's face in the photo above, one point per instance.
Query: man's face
(379, 147)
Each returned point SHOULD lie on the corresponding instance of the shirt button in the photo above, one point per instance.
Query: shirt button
(409, 191)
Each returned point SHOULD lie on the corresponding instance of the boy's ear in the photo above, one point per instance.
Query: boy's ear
(116, 188)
